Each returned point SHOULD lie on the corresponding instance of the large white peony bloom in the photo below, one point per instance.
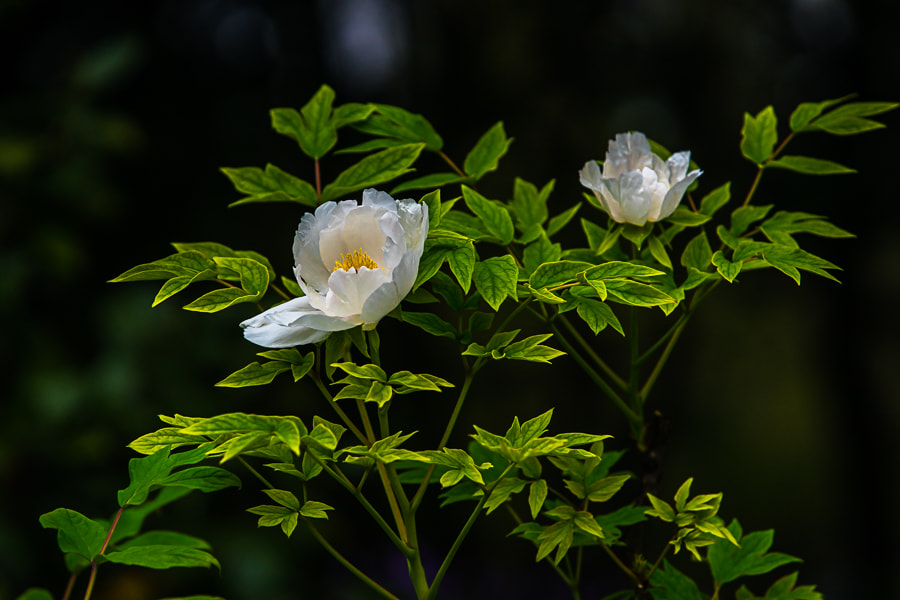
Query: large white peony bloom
(636, 186)
(355, 263)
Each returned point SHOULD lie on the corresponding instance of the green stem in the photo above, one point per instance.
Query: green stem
(256, 473)
(69, 586)
(347, 564)
(631, 575)
(448, 430)
(618, 381)
(452, 164)
(334, 405)
(457, 543)
(657, 369)
(568, 580)
(379, 520)
(635, 419)
(660, 558)
(716, 587)
(112, 527)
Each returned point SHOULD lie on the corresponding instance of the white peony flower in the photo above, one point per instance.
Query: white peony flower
(636, 186)
(355, 263)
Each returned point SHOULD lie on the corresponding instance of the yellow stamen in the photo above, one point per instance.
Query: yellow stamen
(355, 260)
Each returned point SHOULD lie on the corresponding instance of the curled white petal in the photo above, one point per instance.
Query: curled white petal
(635, 185)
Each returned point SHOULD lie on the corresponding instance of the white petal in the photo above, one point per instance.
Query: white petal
(678, 165)
(655, 189)
(348, 290)
(357, 229)
(676, 192)
(282, 327)
(372, 197)
(387, 297)
(633, 198)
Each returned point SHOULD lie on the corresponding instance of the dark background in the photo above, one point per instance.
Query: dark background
(114, 120)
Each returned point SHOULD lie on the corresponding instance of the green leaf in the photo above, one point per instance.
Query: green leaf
(75, 532)
(848, 119)
(255, 374)
(685, 216)
(269, 185)
(637, 294)
(660, 509)
(493, 214)
(430, 323)
(716, 199)
(788, 260)
(312, 128)
(615, 269)
(809, 166)
(683, 493)
(658, 251)
(540, 251)
(459, 253)
(430, 181)
(671, 584)
(759, 135)
(598, 315)
(167, 436)
(495, 279)
(254, 279)
(370, 371)
(284, 498)
(727, 269)
(551, 274)
(605, 488)
(395, 122)
(315, 510)
(559, 536)
(205, 479)
(806, 112)
(502, 492)
(528, 205)
(537, 493)
(531, 349)
(729, 562)
(162, 557)
(742, 217)
(373, 170)
(35, 594)
(697, 253)
(487, 152)
(168, 538)
(559, 221)
(585, 522)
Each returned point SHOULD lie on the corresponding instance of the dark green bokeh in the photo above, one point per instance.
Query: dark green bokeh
(115, 119)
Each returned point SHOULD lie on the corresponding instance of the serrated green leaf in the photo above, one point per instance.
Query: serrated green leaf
(660, 509)
(430, 323)
(685, 216)
(697, 253)
(312, 127)
(537, 493)
(742, 217)
(487, 152)
(430, 181)
(637, 294)
(658, 251)
(585, 522)
(759, 135)
(559, 536)
(809, 166)
(495, 279)
(162, 557)
(502, 492)
(605, 488)
(373, 170)
(402, 124)
(557, 222)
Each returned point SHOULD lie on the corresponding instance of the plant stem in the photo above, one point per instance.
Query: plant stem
(457, 543)
(318, 182)
(618, 381)
(452, 164)
(334, 405)
(112, 527)
(659, 559)
(621, 564)
(347, 564)
(463, 393)
(69, 586)
(635, 419)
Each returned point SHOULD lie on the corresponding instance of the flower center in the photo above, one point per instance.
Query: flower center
(355, 260)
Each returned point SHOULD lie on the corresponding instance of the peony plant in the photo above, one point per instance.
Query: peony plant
(469, 273)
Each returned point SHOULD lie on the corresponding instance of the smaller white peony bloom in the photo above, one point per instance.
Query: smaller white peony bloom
(355, 263)
(636, 186)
